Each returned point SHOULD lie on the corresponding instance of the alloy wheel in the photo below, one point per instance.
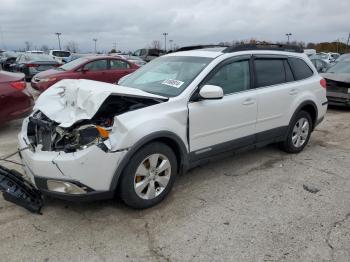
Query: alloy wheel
(300, 132)
(152, 176)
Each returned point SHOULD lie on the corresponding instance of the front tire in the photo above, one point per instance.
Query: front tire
(149, 176)
(299, 132)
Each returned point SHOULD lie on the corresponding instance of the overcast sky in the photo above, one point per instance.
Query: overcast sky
(134, 24)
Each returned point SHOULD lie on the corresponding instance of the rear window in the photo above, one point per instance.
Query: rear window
(269, 72)
(38, 58)
(300, 69)
(61, 53)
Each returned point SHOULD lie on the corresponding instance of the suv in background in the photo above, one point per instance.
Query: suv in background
(60, 56)
(91, 140)
(148, 54)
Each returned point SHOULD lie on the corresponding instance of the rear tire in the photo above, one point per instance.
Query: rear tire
(149, 176)
(299, 132)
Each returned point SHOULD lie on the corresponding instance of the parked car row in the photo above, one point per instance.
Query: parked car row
(107, 69)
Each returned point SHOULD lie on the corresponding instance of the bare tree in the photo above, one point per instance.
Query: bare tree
(28, 45)
(156, 44)
(44, 48)
(72, 46)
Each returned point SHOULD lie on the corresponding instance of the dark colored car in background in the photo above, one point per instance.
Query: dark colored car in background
(100, 68)
(7, 59)
(338, 83)
(15, 101)
(31, 63)
(147, 54)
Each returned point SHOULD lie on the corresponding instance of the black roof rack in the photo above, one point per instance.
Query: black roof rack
(263, 46)
(194, 47)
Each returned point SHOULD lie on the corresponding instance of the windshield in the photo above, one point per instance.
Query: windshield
(61, 53)
(340, 68)
(73, 64)
(38, 57)
(166, 76)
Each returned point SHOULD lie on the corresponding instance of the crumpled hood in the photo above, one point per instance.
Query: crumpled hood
(71, 100)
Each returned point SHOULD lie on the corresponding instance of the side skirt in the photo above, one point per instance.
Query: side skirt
(258, 140)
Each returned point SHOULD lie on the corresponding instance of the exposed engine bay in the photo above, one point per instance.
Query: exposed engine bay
(49, 136)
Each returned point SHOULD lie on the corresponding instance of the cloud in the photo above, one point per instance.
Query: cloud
(134, 24)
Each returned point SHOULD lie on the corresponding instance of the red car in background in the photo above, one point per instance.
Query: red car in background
(15, 101)
(100, 68)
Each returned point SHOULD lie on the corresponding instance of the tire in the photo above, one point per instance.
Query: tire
(298, 136)
(143, 183)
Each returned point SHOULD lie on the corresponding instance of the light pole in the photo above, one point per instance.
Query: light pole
(165, 34)
(59, 40)
(288, 35)
(171, 44)
(95, 40)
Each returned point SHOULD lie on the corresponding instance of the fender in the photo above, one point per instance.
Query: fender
(151, 137)
(305, 103)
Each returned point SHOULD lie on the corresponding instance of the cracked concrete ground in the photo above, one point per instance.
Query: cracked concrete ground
(246, 207)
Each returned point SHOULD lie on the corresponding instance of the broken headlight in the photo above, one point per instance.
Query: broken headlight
(80, 138)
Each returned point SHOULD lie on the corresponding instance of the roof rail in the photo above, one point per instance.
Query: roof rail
(263, 46)
(194, 47)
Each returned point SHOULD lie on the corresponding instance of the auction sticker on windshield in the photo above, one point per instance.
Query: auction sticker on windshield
(173, 83)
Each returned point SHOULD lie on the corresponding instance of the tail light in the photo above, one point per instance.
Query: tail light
(32, 65)
(19, 85)
(323, 83)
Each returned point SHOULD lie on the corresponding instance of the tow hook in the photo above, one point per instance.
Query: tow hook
(19, 191)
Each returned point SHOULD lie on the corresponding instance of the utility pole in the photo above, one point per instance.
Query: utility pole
(347, 43)
(95, 40)
(59, 40)
(165, 34)
(171, 44)
(288, 35)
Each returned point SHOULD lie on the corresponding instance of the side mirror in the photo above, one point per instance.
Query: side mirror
(211, 92)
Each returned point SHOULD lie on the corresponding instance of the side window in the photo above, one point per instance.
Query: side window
(300, 69)
(97, 65)
(118, 64)
(269, 72)
(233, 77)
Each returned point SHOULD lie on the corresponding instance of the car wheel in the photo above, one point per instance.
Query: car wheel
(299, 132)
(149, 176)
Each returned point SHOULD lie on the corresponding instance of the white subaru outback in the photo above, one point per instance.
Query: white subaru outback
(90, 140)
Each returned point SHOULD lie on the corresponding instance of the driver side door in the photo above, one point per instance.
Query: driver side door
(225, 124)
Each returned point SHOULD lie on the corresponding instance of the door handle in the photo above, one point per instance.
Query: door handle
(293, 91)
(249, 101)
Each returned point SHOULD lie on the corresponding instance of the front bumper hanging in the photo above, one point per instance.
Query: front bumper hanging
(19, 191)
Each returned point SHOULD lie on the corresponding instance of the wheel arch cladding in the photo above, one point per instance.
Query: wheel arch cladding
(311, 108)
(170, 139)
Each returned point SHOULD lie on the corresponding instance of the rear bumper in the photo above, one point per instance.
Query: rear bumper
(337, 98)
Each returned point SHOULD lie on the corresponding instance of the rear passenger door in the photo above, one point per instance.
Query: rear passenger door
(117, 69)
(278, 92)
(228, 123)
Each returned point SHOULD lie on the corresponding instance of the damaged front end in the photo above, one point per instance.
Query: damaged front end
(67, 139)
(51, 136)
(18, 191)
